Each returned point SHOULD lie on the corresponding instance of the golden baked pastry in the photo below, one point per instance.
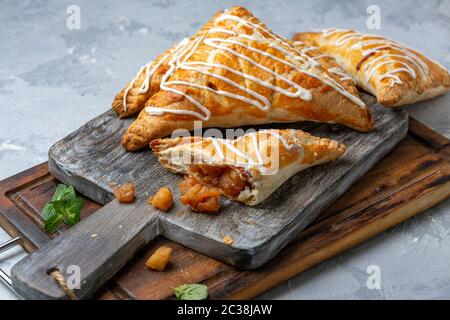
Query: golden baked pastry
(395, 74)
(329, 64)
(247, 169)
(241, 73)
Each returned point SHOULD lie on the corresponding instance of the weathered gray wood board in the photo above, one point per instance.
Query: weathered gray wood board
(92, 157)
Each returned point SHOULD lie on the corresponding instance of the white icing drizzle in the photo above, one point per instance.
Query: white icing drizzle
(334, 70)
(380, 44)
(304, 94)
(222, 30)
(186, 49)
(149, 72)
(346, 38)
(391, 75)
(307, 49)
(145, 86)
(340, 73)
(386, 44)
(248, 160)
(411, 72)
(297, 56)
(323, 56)
(331, 31)
(274, 36)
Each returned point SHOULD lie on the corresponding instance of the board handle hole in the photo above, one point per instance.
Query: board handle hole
(52, 269)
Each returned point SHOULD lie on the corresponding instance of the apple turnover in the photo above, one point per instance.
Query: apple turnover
(237, 72)
(248, 169)
(395, 74)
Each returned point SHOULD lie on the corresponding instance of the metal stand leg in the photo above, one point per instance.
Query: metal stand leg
(5, 247)
(5, 278)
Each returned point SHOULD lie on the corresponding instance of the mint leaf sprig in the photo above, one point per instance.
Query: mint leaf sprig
(192, 291)
(65, 207)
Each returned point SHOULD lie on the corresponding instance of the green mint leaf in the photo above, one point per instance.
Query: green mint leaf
(65, 207)
(63, 192)
(72, 211)
(69, 193)
(59, 192)
(59, 206)
(72, 219)
(191, 292)
(48, 211)
(74, 205)
(53, 223)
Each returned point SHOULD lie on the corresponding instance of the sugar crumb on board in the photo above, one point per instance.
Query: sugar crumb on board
(249, 221)
(228, 240)
(180, 213)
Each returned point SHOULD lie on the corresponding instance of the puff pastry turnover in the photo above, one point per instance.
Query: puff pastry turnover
(241, 73)
(395, 74)
(247, 169)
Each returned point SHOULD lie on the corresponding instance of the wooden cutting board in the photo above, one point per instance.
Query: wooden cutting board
(92, 157)
(412, 178)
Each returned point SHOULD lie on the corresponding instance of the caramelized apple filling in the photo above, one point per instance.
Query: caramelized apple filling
(202, 189)
(230, 180)
(162, 200)
(125, 193)
(201, 198)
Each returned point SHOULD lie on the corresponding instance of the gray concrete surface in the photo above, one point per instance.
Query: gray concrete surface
(53, 79)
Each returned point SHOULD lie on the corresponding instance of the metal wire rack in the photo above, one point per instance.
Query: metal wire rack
(5, 278)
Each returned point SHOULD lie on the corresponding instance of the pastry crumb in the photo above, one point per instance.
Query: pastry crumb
(162, 200)
(125, 193)
(180, 213)
(228, 240)
(159, 259)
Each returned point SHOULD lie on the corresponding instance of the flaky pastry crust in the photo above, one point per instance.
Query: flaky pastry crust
(265, 158)
(241, 73)
(395, 74)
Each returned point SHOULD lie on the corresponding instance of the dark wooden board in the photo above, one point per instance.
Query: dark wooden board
(92, 157)
(412, 178)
